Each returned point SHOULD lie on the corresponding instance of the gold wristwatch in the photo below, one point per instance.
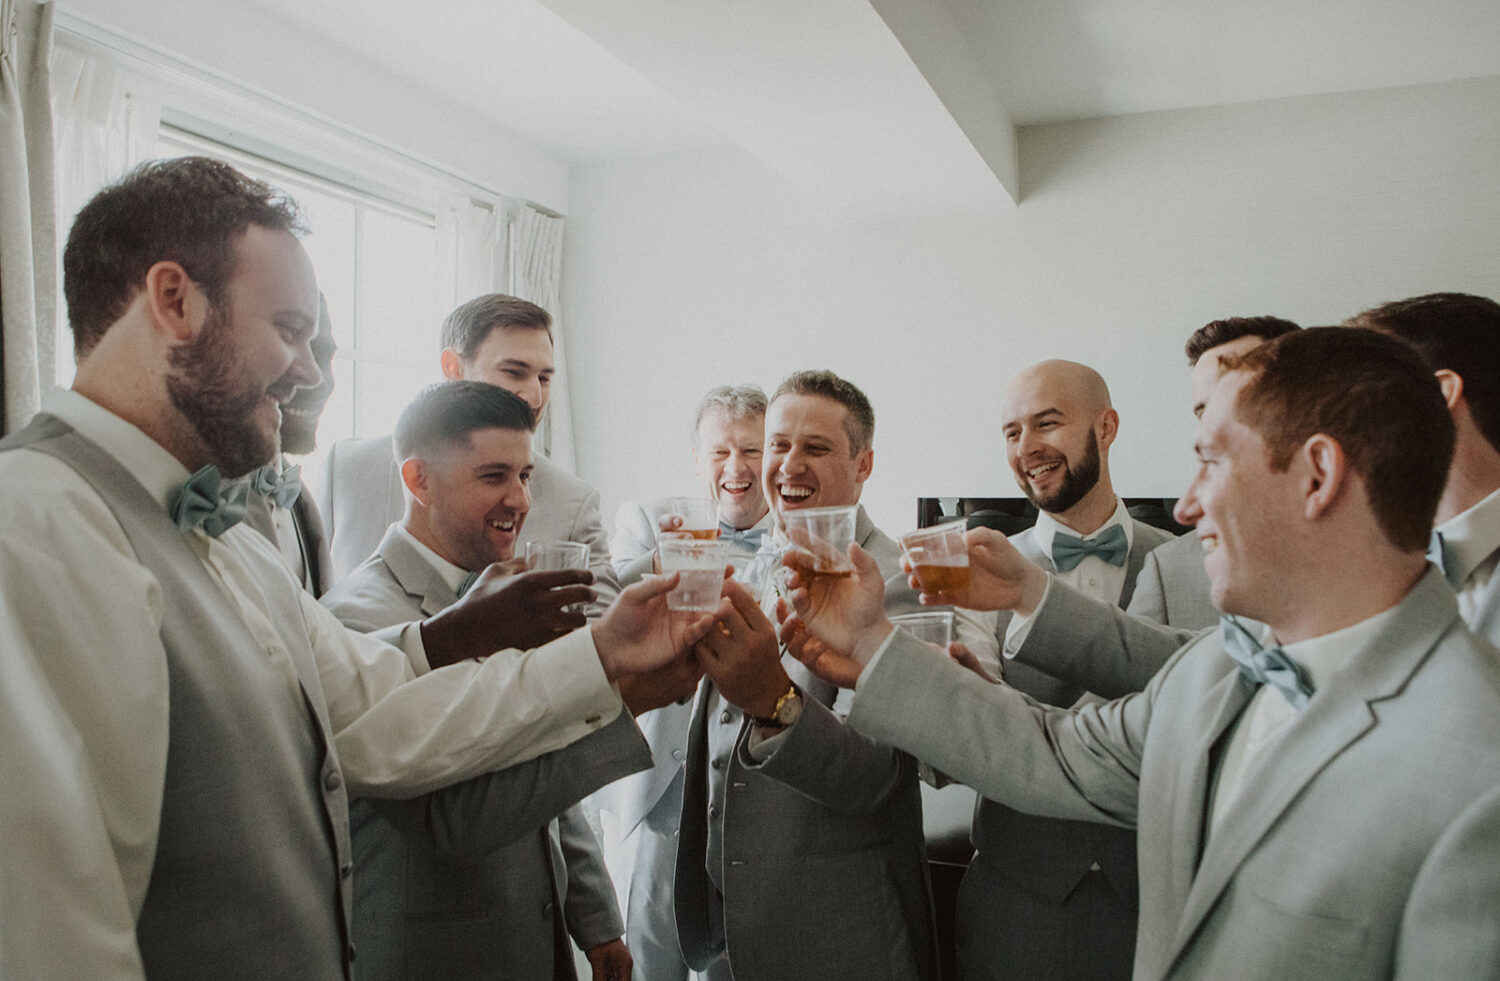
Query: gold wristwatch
(787, 711)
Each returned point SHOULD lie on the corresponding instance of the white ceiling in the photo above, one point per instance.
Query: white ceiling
(875, 105)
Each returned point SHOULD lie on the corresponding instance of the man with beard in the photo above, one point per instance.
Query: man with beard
(280, 505)
(180, 722)
(1047, 898)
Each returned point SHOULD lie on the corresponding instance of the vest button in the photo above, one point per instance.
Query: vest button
(332, 780)
(713, 810)
(547, 912)
(346, 870)
(726, 718)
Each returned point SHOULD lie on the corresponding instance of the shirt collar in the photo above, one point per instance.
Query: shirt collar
(452, 576)
(1471, 537)
(1047, 527)
(157, 470)
(1321, 657)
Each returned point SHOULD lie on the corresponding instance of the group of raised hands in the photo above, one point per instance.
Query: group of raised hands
(833, 625)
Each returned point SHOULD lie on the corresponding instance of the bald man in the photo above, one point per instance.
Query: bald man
(1046, 898)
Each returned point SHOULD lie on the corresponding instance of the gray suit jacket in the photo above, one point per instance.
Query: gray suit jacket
(1368, 846)
(362, 497)
(1020, 851)
(478, 879)
(825, 875)
(1173, 588)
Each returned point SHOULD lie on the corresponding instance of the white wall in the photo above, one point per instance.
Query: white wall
(699, 268)
(236, 40)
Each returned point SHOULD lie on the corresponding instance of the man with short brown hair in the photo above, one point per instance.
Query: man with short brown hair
(1263, 780)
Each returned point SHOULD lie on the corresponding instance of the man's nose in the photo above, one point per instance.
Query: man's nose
(1187, 510)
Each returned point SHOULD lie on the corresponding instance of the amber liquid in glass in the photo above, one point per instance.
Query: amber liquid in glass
(942, 578)
(702, 534)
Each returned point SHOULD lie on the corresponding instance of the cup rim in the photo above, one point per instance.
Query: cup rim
(818, 512)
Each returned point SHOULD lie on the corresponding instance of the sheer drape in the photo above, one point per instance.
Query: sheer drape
(536, 275)
(28, 237)
(105, 122)
(469, 251)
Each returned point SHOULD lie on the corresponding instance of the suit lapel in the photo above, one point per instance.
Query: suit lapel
(1133, 563)
(414, 573)
(1333, 721)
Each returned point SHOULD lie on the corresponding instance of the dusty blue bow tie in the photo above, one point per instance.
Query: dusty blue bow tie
(1265, 665)
(279, 486)
(749, 539)
(1439, 555)
(1069, 550)
(205, 501)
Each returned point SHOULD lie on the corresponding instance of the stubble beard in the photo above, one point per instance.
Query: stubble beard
(1076, 483)
(207, 384)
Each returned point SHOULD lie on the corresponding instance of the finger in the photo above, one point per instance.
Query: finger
(864, 566)
(648, 589)
(748, 613)
(568, 621)
(565, 595)
(699, 627)
(556, 578)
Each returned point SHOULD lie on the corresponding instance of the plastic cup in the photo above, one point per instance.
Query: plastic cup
(551, 556)
(700, 563)
(825, 535)
(939, 556)
(700, 518)
(934, 627)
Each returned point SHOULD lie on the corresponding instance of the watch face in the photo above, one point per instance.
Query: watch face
(790, 708)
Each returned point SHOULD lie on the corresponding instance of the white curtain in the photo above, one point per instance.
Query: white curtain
(470, 256)
(536, 275)
(106, 122)
(28, 237)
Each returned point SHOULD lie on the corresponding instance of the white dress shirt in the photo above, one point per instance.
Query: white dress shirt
(1093, 577)
(1471, 544)
(84, 700)
(1269, 714)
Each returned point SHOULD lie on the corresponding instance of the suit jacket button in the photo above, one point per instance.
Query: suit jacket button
(717, 763)
(332, 780)
(677, 755)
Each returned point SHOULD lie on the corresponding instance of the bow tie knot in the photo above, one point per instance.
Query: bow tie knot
(1265, 665)
(1070, 550)
(206, 500)
(749, 540)
(277, 485)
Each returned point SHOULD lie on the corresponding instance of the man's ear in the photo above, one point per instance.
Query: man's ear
(864, 464)
(1108, 427)
(1452, 384)
(452, 364)
(175, 305)
(1327, 473)
(414, 475)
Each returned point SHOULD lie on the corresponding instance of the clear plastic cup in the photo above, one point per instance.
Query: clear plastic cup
(934, 627)
(551, 556)
(824, 536)
(939, 556)
(700, 563)
(699, 515)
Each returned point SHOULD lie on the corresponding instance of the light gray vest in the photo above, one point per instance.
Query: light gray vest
(251, 877)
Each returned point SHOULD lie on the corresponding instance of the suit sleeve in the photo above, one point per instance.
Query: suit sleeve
(1083, 764)
(1096, 645)
(1150, 598)
(588, 526)
(1450, 928)
(590, 910)
(633, 537)
(488, 812)
(824, 759)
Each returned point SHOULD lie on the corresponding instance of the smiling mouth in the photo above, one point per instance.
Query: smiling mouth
(507, 525)
(1038, 472)
(735, 486)
(794, 494)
